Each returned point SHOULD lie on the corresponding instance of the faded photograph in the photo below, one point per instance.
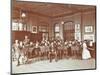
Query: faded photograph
(52, 37)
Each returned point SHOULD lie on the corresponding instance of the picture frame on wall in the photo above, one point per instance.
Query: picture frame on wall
(34, 29)
(53, 38)
(89, 29)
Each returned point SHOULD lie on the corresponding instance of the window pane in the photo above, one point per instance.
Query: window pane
(43, 28)
(20, 26)
(57, 34)
(14, 26)
(77, 28)
(57, 29)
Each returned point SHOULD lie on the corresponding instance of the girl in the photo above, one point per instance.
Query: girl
(85, 52)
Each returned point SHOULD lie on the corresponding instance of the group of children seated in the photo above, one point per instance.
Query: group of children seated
(56, 49)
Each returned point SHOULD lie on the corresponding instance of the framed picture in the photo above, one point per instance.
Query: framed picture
(88, 29)
(89, 37)
(34, 29)
(56, 33)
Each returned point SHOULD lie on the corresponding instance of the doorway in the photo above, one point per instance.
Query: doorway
(69, 31)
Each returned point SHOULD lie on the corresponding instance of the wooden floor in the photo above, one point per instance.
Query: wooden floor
(45, 65)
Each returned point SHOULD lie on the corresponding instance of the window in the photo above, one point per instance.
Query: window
(17, 26)
(77, 32)
(43, 28)
(57, 34)
(57, 30)
(20, 26)
(14, 26)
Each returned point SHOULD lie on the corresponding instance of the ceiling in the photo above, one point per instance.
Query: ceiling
(48, 9)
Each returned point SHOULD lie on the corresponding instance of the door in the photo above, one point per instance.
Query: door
(69, 31)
